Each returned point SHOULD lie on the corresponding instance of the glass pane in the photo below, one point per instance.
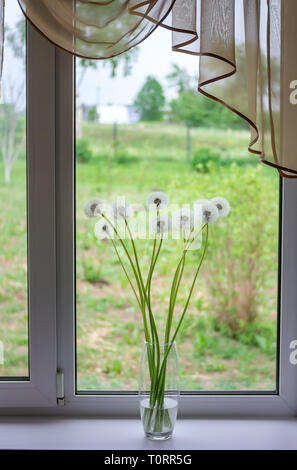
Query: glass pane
(13, 219)
(148, 132)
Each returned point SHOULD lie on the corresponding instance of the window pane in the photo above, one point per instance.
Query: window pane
(13, 219)
(190, 148)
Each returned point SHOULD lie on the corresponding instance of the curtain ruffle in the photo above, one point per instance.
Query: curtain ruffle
(96, 29)
(239, 44)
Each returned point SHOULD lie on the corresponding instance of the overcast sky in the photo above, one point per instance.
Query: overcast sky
(121, 90)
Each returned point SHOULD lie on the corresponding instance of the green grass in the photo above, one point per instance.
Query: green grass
(13, 272)
(161, 141)
(145, 158)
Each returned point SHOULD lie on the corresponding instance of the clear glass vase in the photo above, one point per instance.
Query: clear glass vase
(159, 390)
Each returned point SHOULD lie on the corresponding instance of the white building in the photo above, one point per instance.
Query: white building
(121, 114)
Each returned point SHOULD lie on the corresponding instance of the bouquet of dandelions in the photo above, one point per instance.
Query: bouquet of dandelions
(191, 224)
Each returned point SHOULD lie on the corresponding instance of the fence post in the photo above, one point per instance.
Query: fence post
(115, 134)
(188, 149)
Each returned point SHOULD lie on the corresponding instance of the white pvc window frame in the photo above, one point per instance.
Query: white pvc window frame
(51, 195)
(281, 403)
(40, 388)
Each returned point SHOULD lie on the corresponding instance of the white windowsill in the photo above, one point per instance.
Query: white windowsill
(49, 433)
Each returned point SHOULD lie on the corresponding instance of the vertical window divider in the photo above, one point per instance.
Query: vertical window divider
(40, 389)
(65, 219)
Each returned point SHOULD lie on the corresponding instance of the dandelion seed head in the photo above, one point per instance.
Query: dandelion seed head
(103, 229)
(94, 207)
(222, 205)
(183, 219)
(157, 200)
(209, 211)
(161, 224)
(122, 209)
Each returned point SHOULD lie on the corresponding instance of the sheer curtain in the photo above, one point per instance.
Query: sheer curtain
(245, 48)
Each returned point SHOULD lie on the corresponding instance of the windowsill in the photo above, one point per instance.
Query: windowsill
(49, 433)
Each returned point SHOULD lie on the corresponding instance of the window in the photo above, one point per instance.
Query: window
(28, 320)
(61, 312)
(13, 196)
(127, 147)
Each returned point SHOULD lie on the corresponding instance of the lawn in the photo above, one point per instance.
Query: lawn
(228, 340)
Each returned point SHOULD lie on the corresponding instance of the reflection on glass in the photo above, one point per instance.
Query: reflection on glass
(13, 219)
(151, 132)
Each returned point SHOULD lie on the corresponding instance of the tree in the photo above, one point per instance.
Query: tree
(179, 78)
(16, 39)
(233, 90)
(12, 128)
(150, 100)
(192, 107)
(195, 109)
(92, 114)
(12, 118)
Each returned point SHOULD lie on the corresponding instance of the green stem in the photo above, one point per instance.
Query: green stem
(173, 294)
(134, 271)
(142, 299)
(161, 380)
(154, 332)
(149, 281)
(151, 263)
(126, 273)
(177, 280)
(152, 371)
(147, 296)
(148, 289)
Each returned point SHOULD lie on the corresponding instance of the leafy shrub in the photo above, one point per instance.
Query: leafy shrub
(205, 342)
(239, 276)
(202, 157)
(123, 157)
(92, 270)
(83, 151)
(205, 159)
(243, 254)
(92, 114)
(113, 368)
(198, 110)
(260, 334)
(215, 366)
